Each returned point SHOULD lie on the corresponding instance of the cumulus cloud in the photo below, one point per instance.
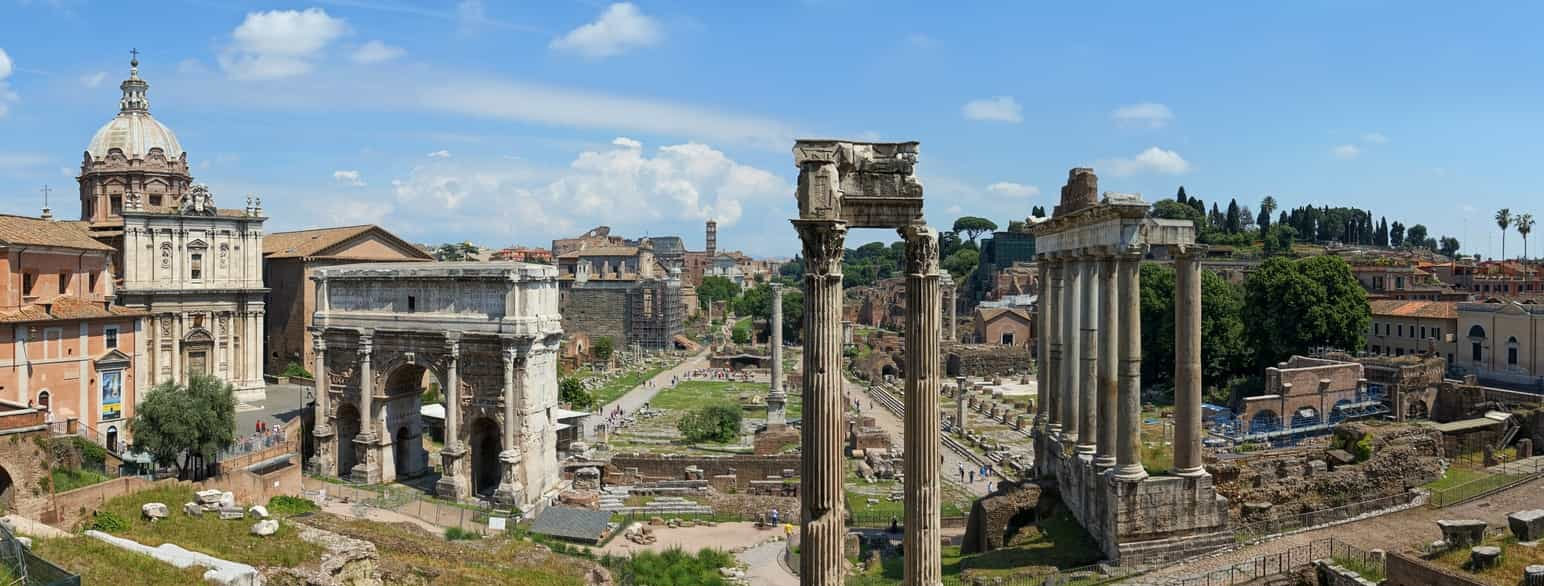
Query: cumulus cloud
(1152, 160)
(280, 43)
(994, 109)
(440, 154)
(1346, 151)
(376, 52)
(348, 177)
(1010, 189)
(622, 27)
(6, 95)
(93, 80)
(1144, 115)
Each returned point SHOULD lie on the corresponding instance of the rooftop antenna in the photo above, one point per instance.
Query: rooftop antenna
(47, 213)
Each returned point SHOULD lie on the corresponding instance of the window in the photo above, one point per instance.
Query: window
(92, 281)
(155, 200)
(1401, 330)
(64, 282)
(412, 304)
(1376, 349)
(1007, 338)
(26, 283)
(43, 400)
(1399, 282)
(1399, 351)
(196, 266)
(1474, 352)
(1511, 351)
(53, 343)
(117, 202)
(110, 336)
(1423, 332)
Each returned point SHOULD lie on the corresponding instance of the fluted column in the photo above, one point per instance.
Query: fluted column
(1071, 363)
(822, 527)
(1088, 381)
(923, 564)
(777, 398)
(1128, 451)
(364, 443)
(511, 491)
(1042, 340)
(323, 461)
(1052, 364)
(1104, 453)
(452, 483)
(1187, 364)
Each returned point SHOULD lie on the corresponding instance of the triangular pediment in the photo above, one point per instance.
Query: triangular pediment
(112, 359)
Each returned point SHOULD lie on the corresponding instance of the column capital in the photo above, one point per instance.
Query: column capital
(823, 241)
(777, 288)
(318, 340)
(453, 345)
(1188, 251)
(921, 249)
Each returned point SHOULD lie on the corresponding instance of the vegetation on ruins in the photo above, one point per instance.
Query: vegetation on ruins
(1294, 306)
(571, 391)
(295, 370)
(1275, 233)
(741, 334)
(672, 566)
(756, 302)
(712, 423)
(1223, 352)
(602, 348)
(186, 425)
(715, 288)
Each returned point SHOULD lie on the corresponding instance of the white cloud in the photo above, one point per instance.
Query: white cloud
(279, 43)
(1152, 160)
(348, 177)
(440, 154)
(995, 109)
(1346, 151)
(1144, 115)
(1375, 138)
(376, 52)
(621, 27)
(6, 95)
(93, 80)
(1010, 189)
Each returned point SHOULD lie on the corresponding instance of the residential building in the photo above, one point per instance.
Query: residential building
(522, 254)
(69, 350)
(1412, 327)
(1501, 342)
(289, 261)
(1004, 326)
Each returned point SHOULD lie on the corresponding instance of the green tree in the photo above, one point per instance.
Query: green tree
(1503, 219)
(451, 252)
(1524, 227)
(1173, 210)
(1223, 353)
(757, 303)
(961, 263)
(714, 423)
(741, 334)
(186, 425)
(1232, 221)
(571, 391)
(715, 288)
(1397, 235)
(602, 348)
(1293, 306)
(1415, 236)
(1448, 246)
(973, 226)
(1278, 239)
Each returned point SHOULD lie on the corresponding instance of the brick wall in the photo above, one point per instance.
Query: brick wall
(596, 312)
(1406, 570)
(746, 468)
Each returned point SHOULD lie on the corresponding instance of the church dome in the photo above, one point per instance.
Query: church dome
(134, 130)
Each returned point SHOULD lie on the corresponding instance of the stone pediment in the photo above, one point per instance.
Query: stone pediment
(112, 359)
(198, 335)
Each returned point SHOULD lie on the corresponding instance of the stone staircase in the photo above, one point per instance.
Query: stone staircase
(613, 499)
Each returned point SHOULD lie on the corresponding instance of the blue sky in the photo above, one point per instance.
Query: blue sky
(513, 123)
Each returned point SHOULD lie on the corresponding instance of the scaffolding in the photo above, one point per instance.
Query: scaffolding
(654, 313)
(1271, 430)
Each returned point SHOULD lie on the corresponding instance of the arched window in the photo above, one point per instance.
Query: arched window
(1511, 351)
(1476, 343)
(112, 439)
(43, 400)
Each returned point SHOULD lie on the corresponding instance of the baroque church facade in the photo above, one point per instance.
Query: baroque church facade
(196, 269)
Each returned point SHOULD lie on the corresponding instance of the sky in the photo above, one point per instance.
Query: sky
(512, 123)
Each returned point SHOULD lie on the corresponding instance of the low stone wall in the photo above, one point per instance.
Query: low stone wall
(66, 508)
(1334, 575)
(985, 360)
(1403, 569)
(745, 468)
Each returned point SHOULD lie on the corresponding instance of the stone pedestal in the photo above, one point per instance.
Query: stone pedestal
(324, 462)
(510, 492)
(367, 470)
(455, 481)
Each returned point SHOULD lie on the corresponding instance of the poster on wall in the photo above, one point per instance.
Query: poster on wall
(112, 395)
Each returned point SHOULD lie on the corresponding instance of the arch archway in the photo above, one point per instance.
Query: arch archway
(7, 491)
(112, 439)
(1416, 410)
(1511, 351)
(43, 399)
(403, 408)
(347, 425)
(1476, 343)
(1264, 421)
(1305, 417)
(486, 444)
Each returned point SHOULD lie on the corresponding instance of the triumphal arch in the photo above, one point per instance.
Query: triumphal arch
(1087, 432)
(486, 333)
(842, 185)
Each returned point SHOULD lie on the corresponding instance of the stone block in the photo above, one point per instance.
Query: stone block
(232, 513)
(1340, 457)
(258, 512)
(1483, 556)
(1527, 525)
(154, 511)
(192, 509)
(1316, 467)
(265, 527)
(851, 546)
(1524, 448)
(1462, 532)
(207, 497)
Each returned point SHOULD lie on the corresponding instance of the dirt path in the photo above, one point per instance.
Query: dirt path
(894, 426)
(1388, 532)
(726, 536)
(765, 565)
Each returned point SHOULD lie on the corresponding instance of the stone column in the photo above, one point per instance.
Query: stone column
(1042, 340)
(1104, 454)
(452, 483)
(1052, 364)
(1187, 364)
(1088, 380)
(923, 560)
(323, 461)
(959, 405)
(1071, 363)
(954, 309)
(365, 470)
(777, 398)
(510, 491)
(822, 528)
(1128, 451)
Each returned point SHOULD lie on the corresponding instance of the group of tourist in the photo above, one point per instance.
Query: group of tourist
(719, 374)
(984, 472)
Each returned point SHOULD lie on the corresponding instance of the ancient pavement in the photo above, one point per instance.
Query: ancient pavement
(892, 425)
(765, 567)
(634, 399)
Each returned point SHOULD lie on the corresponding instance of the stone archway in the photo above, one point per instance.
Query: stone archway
(7, 491)
(1264, 421)
(486, 444)
(1416, 409)
(404, 388)
(347, 429)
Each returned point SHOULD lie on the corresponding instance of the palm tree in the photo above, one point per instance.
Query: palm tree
(1503, 219)
(1524, 226)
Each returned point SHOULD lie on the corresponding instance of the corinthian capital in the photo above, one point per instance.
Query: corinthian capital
(823, 240)
(921, 249)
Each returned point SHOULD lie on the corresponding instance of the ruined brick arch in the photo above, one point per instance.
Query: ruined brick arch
(1264, 420)
(1417, 409)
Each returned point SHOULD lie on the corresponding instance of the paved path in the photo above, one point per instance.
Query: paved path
(1388, 532)
(634, 399)
(724, 536)
(1523, 466)
(766, 567)
(891, 423)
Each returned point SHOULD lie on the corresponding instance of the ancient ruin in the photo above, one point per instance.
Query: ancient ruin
(846, 185)
(1088, 432)
(487, 333)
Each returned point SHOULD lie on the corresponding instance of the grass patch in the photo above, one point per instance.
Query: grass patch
(68, 479)
(99, 563)
(1364, 568)
(206, 533)
(286, 506)
(622, 384)
(1058, 543)
(411, 555)
(1454, 477)
(1513, 559)
(459, 534)
(672, 566)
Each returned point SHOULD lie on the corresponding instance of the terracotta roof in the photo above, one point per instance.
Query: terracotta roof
(66, 307)
(602, 251)
(25, 231)
(302, 243)
(1431, 309)
(991, 313)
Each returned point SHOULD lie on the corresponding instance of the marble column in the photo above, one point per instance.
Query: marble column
(1187, 364)
(923, 560)
(510, 490)
(954, 309)
(1128, 434)
(959, 405)
(1104, 453)
(1042, 340)
(1071, 363)
(452, 484)
(1052, 364)
(1088, 381)
(777, 398)
(822, 524)
(323, 460)
(364, 469)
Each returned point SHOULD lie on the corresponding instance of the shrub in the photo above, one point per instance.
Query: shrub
(459, 534)
(108, 522)
(715, 423)
(571, 391)
(288, 505)
(294, 369)
(1363, 448)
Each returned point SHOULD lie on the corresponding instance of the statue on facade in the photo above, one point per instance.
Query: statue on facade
(197, 201)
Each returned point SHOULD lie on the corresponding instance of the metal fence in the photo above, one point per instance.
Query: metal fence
(409, 502)
(24, 567)
(1510, 474)
(1255, 531)
(1276, 564)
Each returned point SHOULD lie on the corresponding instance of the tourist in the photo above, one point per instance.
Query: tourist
(972, 476)
(895, 525)
(774, 516)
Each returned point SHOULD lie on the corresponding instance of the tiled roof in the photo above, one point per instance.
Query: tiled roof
(25, 231)
(66, 307)
(303, 243)
(1430, 309)
(991, 313)
(569, 523)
